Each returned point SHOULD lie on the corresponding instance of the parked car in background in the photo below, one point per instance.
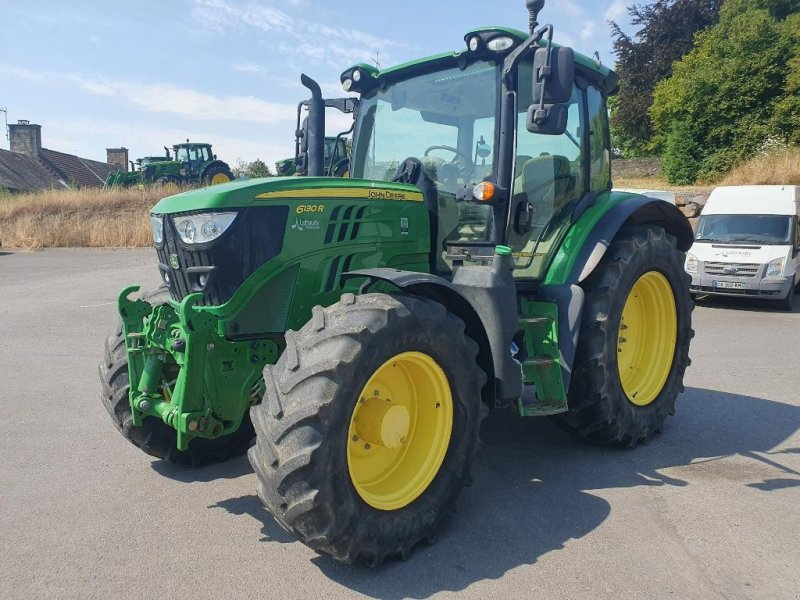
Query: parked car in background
(748, 244)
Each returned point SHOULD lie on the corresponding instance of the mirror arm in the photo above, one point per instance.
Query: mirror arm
(512, 60)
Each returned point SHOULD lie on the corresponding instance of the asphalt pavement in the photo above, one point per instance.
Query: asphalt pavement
(709, 509)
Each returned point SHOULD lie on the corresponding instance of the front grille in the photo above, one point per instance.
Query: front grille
(738, 270)
(218, 269)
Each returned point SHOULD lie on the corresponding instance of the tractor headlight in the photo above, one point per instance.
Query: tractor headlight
(692, 265)
(157, 227)
(204, 227)
(474, 43)
(775, 268)
(347, 85)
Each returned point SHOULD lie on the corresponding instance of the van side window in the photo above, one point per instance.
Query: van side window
(797, 232)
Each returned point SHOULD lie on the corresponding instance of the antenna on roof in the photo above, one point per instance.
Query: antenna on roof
(377, 59)
(534, 8)
(4, 110)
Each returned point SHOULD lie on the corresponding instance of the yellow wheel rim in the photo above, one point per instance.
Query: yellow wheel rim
(220, 178)
(647, 337)
(399, 431)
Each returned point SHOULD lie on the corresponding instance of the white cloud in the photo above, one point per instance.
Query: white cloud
(588, 30)
(333, 45)
(616, 10)
(171, 99)
(247, 67)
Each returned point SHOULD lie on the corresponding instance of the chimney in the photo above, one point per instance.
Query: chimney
(117, 157)
(25, 138)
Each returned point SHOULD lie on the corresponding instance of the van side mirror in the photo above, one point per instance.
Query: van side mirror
(553, 75)
(550, 120)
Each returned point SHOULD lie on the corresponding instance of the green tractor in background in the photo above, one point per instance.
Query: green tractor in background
(336, 153)
(133, 177)
(190, 164)
(362, 328)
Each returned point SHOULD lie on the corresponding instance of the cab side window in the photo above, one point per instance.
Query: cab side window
(599, 141)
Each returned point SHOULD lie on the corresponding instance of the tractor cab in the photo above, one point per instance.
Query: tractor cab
(489, 178)
(193, 156)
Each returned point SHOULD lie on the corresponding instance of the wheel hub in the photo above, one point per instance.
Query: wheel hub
(380, 422)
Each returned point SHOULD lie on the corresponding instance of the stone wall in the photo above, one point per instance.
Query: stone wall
(636, 168)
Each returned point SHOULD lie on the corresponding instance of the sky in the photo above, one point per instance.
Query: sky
(150, 73)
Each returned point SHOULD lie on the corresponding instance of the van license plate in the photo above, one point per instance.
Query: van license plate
(729, 285)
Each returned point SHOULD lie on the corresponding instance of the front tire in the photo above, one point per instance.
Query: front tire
(368, 426)
(633, 348)
(787, 303)
(155, 437)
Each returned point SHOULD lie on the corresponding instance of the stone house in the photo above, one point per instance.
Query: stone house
(28, 166)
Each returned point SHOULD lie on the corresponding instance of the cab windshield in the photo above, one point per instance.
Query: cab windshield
(445, 119)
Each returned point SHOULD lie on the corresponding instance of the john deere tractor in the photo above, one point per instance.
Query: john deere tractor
(190, 164)
(134, 176)
(362, 328)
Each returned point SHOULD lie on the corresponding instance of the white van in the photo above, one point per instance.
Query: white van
(748, 244)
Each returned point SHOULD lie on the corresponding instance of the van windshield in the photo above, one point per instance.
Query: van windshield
(767, 230)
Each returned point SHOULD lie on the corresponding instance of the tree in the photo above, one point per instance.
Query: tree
(681, 158)
(666, 33)
(257, 168)
(735, 87)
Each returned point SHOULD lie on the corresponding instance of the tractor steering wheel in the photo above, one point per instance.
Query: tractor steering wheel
(466, 168)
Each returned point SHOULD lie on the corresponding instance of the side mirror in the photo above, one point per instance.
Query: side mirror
(553, 78)
(550, 120)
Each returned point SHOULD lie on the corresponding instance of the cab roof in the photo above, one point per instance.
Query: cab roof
(599, 74)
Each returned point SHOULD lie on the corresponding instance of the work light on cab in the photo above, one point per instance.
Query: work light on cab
(500, 44)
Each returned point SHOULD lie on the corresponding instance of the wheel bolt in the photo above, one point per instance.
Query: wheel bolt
(355, 438)
(367, 446)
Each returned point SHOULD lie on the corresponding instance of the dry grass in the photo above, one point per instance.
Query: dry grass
(779, 167)
(92, 218)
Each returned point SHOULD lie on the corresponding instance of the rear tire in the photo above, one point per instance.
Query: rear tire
(216, 174)
(600, 410)
(305, 432)
(155, 437)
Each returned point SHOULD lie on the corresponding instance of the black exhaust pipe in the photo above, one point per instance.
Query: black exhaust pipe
(316, 128)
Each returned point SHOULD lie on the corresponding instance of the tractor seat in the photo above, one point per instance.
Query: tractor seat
(548, 183)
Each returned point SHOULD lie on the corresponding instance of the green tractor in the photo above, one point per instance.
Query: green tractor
(133, 177)
(361, 329)
(336, 155)
(190, 164)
